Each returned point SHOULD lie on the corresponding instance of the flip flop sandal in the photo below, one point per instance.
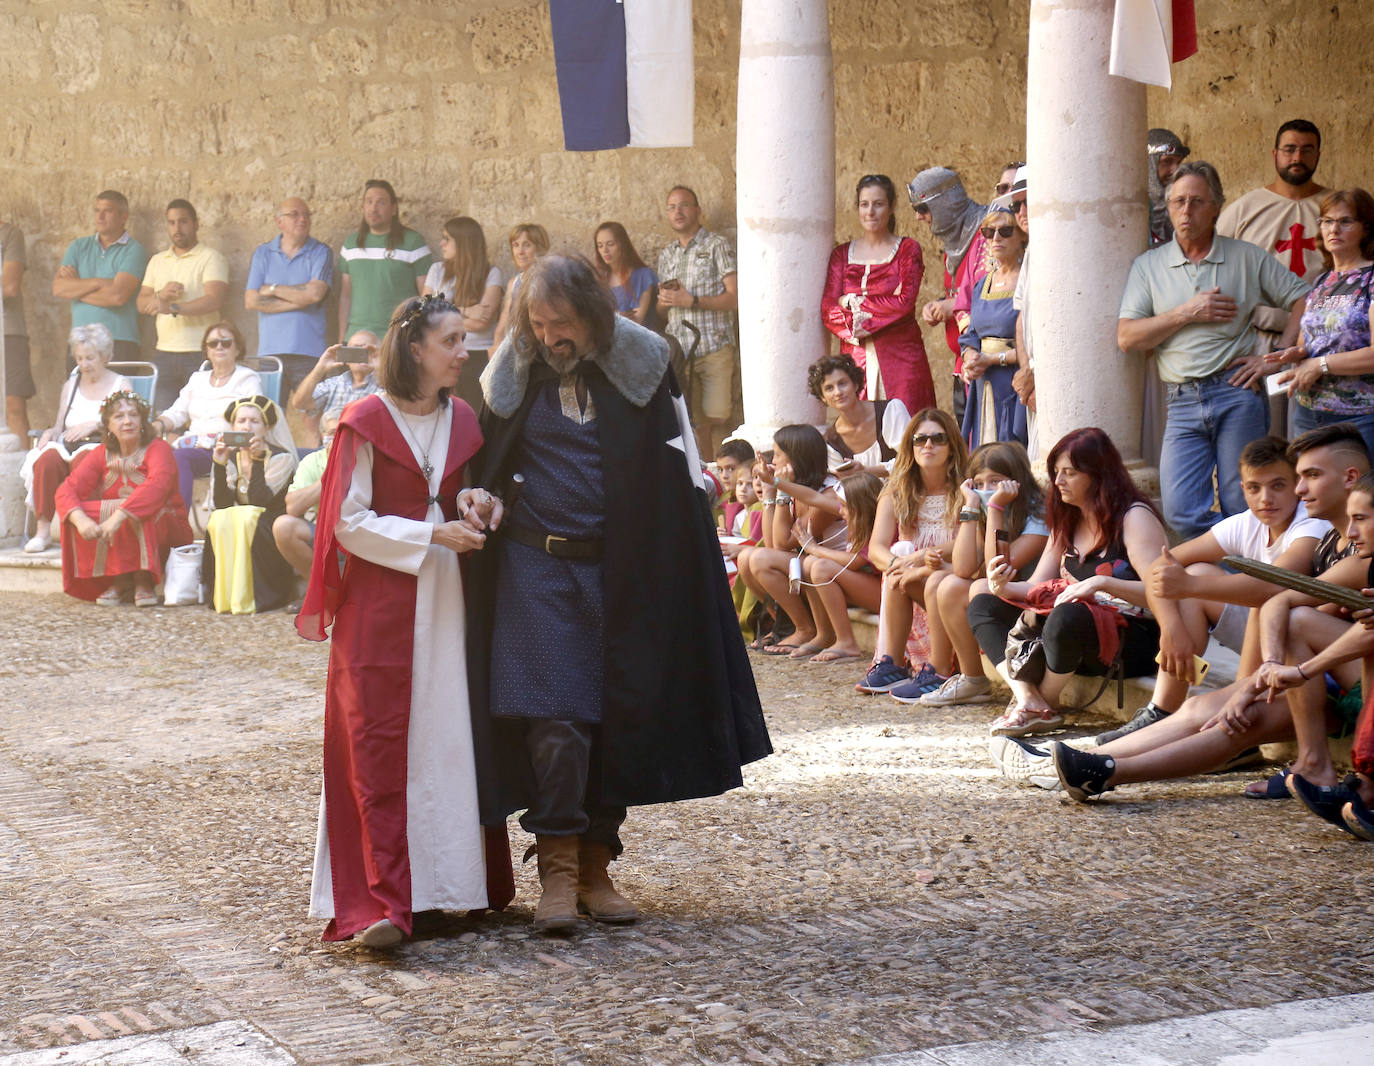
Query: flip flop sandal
(1019, 722)
(1359, 819)
(805, 651)
(1325, 801)
(109, 598)
(779, 649)
(1275, 788)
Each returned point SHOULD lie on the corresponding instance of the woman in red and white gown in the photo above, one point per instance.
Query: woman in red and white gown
(399, 829)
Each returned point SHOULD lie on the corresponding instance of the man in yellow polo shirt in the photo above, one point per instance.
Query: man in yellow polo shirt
(184, 288)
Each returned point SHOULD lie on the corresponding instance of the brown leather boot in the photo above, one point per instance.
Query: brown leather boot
(596, 896)
(558, 876)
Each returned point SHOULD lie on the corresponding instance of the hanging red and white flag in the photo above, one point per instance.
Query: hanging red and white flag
(1149, 36)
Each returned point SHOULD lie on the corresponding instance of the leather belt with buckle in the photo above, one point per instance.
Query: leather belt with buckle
(558, 547)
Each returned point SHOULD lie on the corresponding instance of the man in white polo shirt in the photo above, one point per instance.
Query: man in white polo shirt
(184, 289)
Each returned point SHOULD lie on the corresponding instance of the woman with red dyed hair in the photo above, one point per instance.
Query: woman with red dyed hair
(1104, 534)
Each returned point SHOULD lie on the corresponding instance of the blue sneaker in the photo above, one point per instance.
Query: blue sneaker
(883, 676)
(911, 690)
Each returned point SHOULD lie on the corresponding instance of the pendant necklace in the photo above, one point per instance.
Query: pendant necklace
(426, 467)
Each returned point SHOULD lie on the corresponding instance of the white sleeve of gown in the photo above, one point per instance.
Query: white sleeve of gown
(895, 420)
(387, 540)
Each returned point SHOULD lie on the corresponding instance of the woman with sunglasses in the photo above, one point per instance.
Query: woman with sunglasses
(988, 344)
(912, 540)
(869, 301)
(198, 411)
(1333, 379)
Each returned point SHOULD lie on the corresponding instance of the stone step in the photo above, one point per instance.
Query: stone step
(22, 572)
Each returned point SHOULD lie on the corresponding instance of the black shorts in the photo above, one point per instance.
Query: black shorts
(18, 373)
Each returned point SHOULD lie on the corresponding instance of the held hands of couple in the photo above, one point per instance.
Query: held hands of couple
(480, 510)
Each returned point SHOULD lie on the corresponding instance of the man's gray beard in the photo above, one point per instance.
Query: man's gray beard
(562, 364)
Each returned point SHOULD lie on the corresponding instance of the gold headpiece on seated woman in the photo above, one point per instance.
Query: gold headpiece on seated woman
(123, 396)
(265, 407)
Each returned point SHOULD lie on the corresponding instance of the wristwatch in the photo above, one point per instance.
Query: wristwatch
(966, 515)
(696, 300)
(176, 310)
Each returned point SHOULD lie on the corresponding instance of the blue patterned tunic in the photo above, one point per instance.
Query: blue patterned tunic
(549, 637)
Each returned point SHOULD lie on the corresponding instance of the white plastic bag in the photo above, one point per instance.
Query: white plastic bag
(181, 584)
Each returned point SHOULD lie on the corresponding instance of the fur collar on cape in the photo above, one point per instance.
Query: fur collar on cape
(634, 363)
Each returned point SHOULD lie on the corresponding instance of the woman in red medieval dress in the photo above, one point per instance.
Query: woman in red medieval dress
(870, 301)
(399, 830)
(120, 510)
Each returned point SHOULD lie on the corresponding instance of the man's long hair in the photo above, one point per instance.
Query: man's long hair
(397, 234)
(569, 280)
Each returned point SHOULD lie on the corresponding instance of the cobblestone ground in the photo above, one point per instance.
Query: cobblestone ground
(873, 888)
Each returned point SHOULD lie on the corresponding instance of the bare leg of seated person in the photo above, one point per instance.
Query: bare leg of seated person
(768, 568)
(1204, 750)
(952, 598)
(1309, 631)
(836, 589)
(825, 630)
(295, 540)
(1196, 712)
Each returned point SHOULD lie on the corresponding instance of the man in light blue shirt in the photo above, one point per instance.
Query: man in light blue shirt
(287, 284)
(1191, 300)
(101, 274)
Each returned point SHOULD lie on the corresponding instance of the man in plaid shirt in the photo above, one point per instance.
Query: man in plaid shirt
(698, 284)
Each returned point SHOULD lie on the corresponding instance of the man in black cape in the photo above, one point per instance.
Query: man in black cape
(605, 663)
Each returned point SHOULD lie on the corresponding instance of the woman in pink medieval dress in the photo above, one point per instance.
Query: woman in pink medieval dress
(869, 301)
(399, 830)
(119, 510)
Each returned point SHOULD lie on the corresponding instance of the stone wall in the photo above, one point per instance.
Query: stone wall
(236, 104)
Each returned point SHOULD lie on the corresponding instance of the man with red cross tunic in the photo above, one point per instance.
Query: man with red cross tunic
(1281, 218)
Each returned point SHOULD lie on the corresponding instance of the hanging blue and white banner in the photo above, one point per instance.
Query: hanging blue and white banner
(625, 73)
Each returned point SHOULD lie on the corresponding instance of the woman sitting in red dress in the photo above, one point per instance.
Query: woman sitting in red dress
(120, 510)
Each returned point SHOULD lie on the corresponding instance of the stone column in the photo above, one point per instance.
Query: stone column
(1085, 149)
(785, 204)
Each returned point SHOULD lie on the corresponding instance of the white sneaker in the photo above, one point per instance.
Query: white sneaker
(959, 689)
(1024, 762)
(39, 542)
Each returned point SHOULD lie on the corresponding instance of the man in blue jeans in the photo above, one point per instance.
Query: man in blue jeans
(1191, 300)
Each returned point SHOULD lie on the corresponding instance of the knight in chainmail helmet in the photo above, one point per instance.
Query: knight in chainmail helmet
(1166, 151)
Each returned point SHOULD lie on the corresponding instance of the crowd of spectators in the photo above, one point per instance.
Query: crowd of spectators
(1253, 316)
(204, 377)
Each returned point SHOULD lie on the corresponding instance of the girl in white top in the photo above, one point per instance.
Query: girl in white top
(865, 433)
(464, 275)
(912, 543)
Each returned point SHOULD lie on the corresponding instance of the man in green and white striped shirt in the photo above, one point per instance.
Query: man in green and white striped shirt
(381, 265)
